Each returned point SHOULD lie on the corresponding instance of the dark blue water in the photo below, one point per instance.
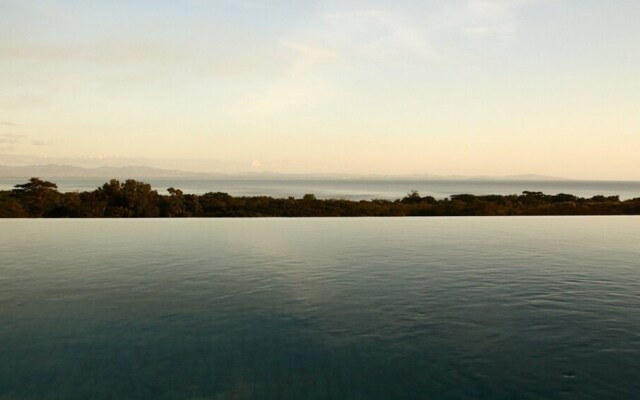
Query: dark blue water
(360, 189)
(440, 308)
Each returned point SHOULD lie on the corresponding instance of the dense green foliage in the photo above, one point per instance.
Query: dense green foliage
(131, 198)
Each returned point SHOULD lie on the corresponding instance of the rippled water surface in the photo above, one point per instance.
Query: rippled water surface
(439, 308)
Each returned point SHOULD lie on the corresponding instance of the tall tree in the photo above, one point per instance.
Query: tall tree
(37, 196)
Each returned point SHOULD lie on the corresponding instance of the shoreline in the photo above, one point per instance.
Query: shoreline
(136, 199)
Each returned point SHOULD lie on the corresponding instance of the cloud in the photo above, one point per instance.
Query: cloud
(222, 54)
(492, 18)
(99, 52)
(7, 123)
(376, 35)
(366, 36)
(10, 138)
(416, 35)
(337, 44)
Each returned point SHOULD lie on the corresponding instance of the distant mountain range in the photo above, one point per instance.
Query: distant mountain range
(51, 171)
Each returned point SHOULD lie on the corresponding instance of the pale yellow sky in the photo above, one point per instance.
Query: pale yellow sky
(470, 87)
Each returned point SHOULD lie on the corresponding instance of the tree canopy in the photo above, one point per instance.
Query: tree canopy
(35, 186)
(135, 199)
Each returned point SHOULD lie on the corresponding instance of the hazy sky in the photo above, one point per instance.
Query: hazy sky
(445, 87)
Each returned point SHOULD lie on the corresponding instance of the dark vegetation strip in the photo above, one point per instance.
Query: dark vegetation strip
(131, 198)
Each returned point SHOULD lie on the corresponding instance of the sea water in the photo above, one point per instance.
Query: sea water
(387, 308)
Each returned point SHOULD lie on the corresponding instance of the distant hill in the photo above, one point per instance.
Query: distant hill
(524, 177)
(52, 171)
(533, 177)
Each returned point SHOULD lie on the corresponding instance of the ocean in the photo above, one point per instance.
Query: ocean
(361, 308)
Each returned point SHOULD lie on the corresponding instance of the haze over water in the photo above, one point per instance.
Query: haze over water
(459, 308)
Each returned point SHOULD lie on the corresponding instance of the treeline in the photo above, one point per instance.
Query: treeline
(134, 199)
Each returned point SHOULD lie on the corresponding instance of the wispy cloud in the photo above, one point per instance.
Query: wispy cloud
(10, 138)
(337, 43)
(397, 36)
(9, 141)
(227, 55)
(497, 19)
(102, 52)
(376, 35)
